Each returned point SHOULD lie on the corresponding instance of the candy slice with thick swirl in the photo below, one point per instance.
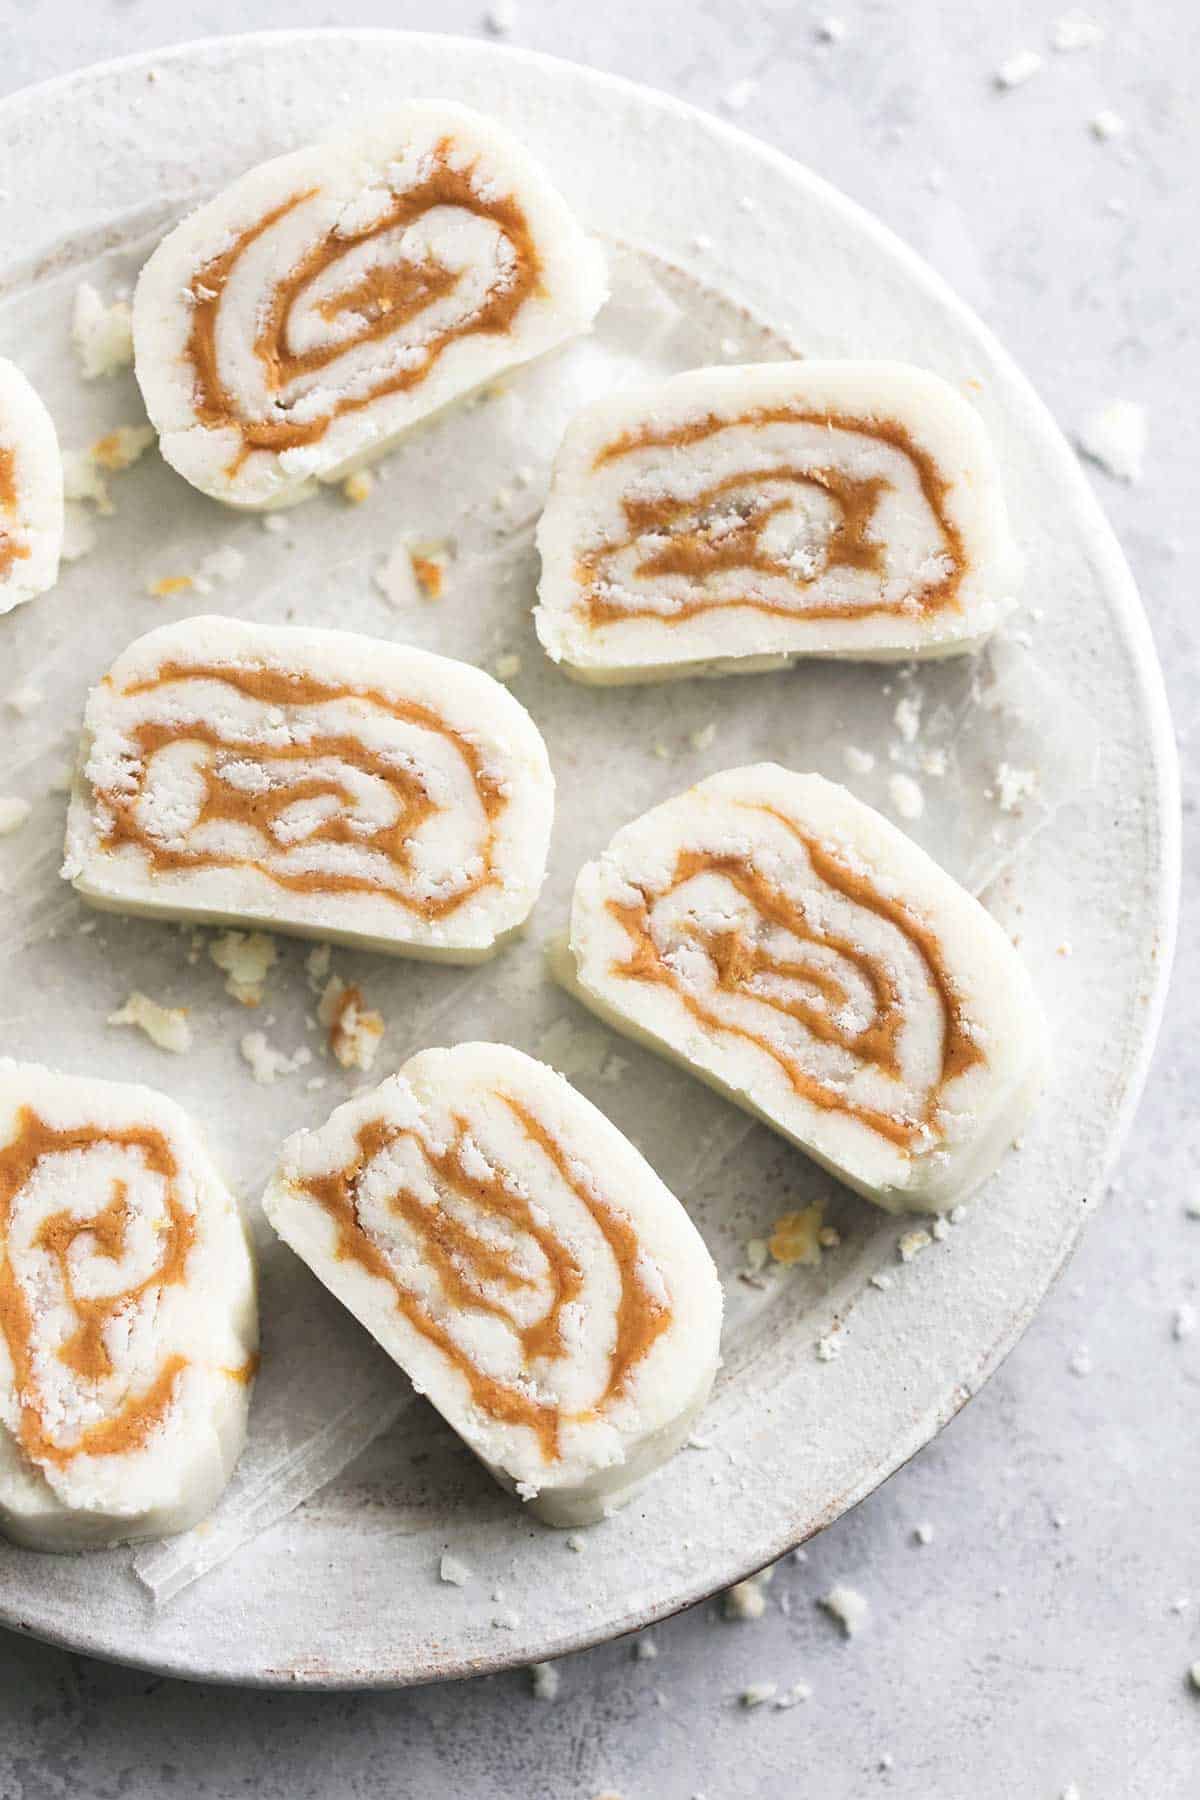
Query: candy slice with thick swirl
(128, 1322)
(311, 781)
(521, 1262)
(736, 519)
(801, 955)
(291, 329)
(31, 492)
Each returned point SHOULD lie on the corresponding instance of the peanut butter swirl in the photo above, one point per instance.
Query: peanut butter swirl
(305, 767)
(10, 548)
(463, 1260)
(129, 1423)
(808, 989)
(389, 295)
(720, 529)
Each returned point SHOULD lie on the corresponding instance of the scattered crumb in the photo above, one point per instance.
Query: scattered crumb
(102, 335)
(745, 1600)
(828, 1349)
(316, 966)
(1063, 949)
(923, 1534)
(354, 1031)
(1081, 1362)
(266, 1062)
(859, 762)
(1012, 785)
(740, 93)
(120, 449)
(575, 1542)
(907, 797)
(1076, 31)
(507, 666)
(24, 700)
(882, 1280)
(830, 30)
(501, 18)
(758, 1693)
(645, 1649)
(167, 585)
(245, 957)
(663, 751)
(1018, 69)
(452, 1570)
(912, 1244)
(907, 716)
(793, 1696)
(84, 470)
(506, 1620)
(1115, 436)
(13, 813)
(1107, 124)
(396, 578)
(357, 487)
(1184, 1321)
(430, 572)
(223, 564)
(796, 1237)
(546, 1681)
(701, 241)
(275, 523)
(705, 738)
(79, 533)
(165, 1026)
(850, 1608)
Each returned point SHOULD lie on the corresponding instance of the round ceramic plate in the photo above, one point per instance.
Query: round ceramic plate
(729, 251)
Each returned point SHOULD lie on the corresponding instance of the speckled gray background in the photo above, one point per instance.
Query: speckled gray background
(1043, 1637)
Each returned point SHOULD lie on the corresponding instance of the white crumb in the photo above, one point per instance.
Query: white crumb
(507, 666)
(923, 1534)
(358, 487)
(1184, 1321)
(13, 813)
(705, 738)
(84, 470)
(645, 1649)
(24, 700)
(830, 30)
(501, 18)
(452, 1570)
(396, 578)
(859, 762)
(758, 1693)
(102, 335)
(1115, 436)
(245, 957)
(79, 532)
(575, 1542)
(850, 1608)
(267, 1063)
(1076, 31)
(1018, 69)
(907, 716)
(316, 966)
(1012, 785)
(546, 1680)
(912, 1244)
(275, 523)
(1081, 1362)
(940, 1229)
(165, 1026)
(224, 564)
(507, 1620)
(796, 1695)
(828, 1349)
(354, 1030)
(907, 797)
(1107, 124)
(745, 1600)
(881, 1280)
(740, 93)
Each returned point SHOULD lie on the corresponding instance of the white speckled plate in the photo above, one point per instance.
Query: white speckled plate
(345, 1591)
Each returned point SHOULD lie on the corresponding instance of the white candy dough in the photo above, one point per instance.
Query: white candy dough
(521, 1262)
(796, 951)
(128, 1324)
(315, 782)
(291, 329)
(31, 492)
(735, 519)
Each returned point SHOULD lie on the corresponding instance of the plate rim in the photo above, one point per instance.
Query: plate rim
(1166, 839)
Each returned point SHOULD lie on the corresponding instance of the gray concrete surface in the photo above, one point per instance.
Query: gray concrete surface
(1040, 1642)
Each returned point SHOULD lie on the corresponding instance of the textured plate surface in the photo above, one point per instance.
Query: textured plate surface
(346, 1592)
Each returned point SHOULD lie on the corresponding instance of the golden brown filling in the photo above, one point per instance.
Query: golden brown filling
(223, 801)
(464, 1261)
(383, 300)
(739, 960)
(85, 1352)
(721, 529)
(10, 549)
